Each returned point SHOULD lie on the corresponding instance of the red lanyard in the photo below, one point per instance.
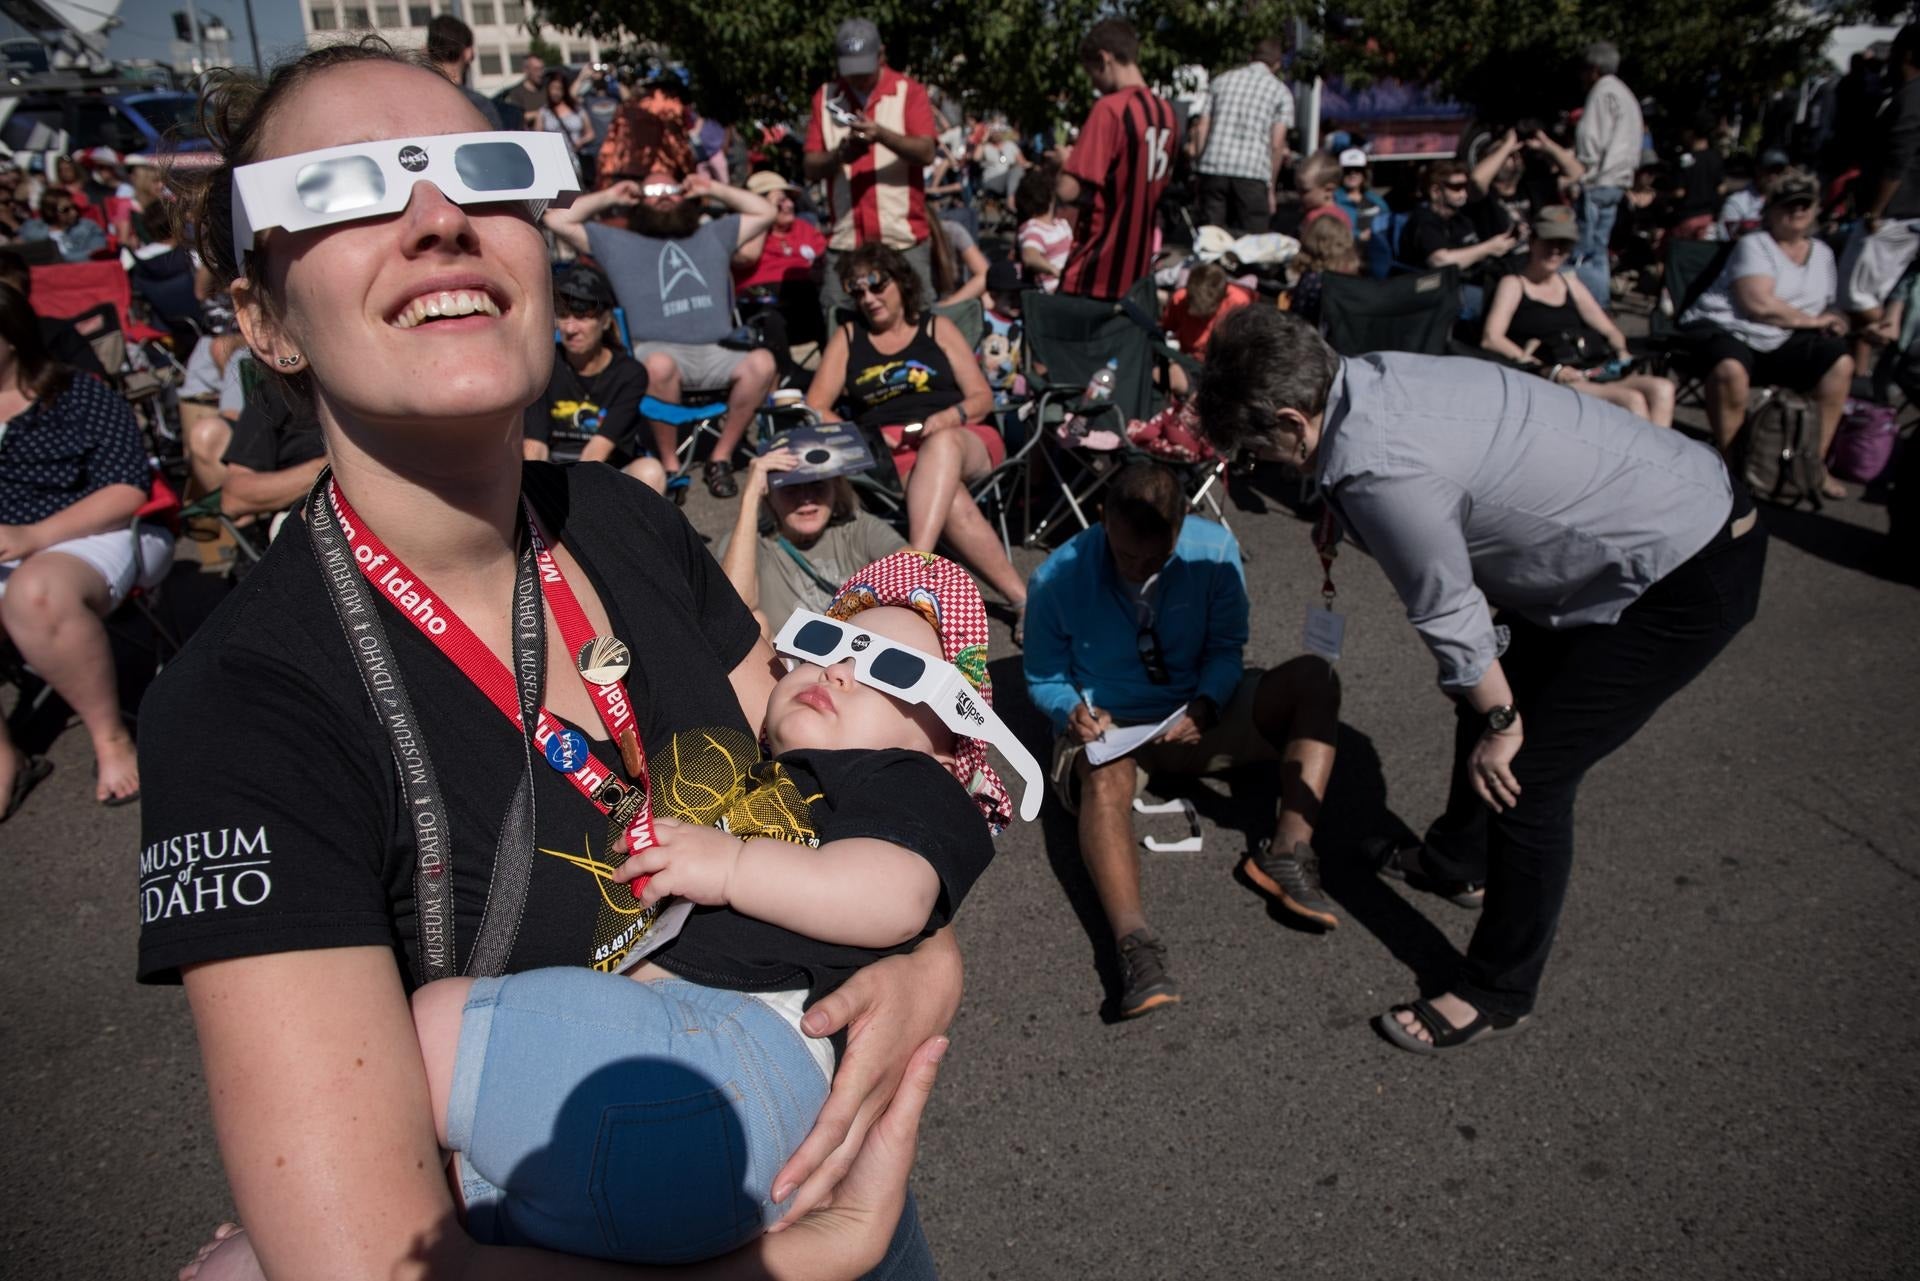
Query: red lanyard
(391, 578)
(1326, 541)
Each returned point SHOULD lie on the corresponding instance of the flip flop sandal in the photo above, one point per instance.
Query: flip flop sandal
(679, 485)
(30, 776)
(1402, 863)
(720, 481)
(1446, 1036)
(115, 802)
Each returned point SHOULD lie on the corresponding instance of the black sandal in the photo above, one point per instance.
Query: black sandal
(719, 478)
(33, 771)
(1406, 863)
(1485, 1027)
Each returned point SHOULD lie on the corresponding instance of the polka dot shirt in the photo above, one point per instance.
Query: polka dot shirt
(56, 452)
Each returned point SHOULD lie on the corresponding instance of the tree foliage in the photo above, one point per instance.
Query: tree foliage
(1019, 56)
(1512, 60)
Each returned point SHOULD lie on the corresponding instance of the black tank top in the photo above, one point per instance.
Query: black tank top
(906, 387)
(1564, 338)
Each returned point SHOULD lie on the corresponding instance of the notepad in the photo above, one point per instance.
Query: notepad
(1119, 742)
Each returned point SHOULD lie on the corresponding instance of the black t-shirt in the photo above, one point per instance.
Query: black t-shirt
(810, 798)
(577, 407)
(1429, 230)
(273, 818)
(273, 433)
(1700, 183)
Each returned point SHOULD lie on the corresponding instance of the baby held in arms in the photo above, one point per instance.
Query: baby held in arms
(646, 1120)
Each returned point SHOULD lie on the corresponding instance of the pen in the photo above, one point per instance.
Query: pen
(1087, 699)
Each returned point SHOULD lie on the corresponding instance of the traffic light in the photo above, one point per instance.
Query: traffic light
(182, 28)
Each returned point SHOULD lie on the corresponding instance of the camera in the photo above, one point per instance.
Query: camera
(840, 114)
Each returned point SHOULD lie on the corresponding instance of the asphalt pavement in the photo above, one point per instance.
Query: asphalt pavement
(1720, 1080)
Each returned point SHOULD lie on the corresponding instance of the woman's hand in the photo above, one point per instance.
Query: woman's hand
(17, 542)
(758, 481)
(850, 1237)
(1491, 767)
(888, 1009)
(686, 861)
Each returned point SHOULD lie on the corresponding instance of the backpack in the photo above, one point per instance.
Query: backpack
(1863, 444)
(1780, 449)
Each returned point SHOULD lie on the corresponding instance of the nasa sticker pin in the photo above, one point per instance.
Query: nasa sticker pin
(604, 660)
(566, 751)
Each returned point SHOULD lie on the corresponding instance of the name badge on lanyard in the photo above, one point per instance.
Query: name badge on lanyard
(1326, 627)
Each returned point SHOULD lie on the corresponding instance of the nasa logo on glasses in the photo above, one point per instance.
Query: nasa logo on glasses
(860, 642)
(413, 159)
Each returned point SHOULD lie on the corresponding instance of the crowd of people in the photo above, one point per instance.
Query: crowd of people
(416, 409)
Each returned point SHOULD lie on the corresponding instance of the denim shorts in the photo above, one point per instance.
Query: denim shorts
(642, 1122)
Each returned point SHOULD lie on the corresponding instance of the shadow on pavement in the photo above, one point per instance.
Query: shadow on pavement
(1838, 542)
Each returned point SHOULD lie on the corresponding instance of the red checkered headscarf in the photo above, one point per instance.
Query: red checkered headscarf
(942, 593)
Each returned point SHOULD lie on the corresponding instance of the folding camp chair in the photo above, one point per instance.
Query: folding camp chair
(1066, 340)
(1415, 313)
(1692, 267)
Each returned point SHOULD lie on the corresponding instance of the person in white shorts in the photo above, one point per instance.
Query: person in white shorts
(73, 471)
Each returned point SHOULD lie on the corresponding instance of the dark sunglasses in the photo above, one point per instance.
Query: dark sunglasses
(1150, 656)
(1460, 185)
(577, 307)
(871, 283)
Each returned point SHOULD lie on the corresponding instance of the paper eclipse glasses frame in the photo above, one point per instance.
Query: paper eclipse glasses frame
(912, 676)
(376, 179)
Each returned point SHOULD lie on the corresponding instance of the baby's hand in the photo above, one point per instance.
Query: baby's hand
(693, 863)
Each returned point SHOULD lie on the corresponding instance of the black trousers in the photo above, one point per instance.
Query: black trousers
(1581, 693)
(1238, 204)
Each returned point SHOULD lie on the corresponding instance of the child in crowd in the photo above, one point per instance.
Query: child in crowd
(999, 349)
(647, 1120)
(1195, 309)
(1045, 238)
(1319, 176)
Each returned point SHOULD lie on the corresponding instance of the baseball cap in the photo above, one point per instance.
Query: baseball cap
(1353, 158)
(1556, 222)
(587, 283)
(856, 43)
(766, 182)
(1794, 184)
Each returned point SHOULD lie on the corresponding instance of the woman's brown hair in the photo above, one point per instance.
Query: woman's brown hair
(38, 373)
(891, 263)
(235, 109)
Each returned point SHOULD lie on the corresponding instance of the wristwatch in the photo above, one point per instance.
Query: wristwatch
(1500, 719)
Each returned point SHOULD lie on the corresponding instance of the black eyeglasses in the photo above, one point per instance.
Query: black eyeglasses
(578, 307)
(1150, 656)
(871, 283)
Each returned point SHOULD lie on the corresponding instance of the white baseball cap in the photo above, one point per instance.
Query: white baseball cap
(1353, 158)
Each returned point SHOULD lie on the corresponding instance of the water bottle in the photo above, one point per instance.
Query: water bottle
(1100, 386)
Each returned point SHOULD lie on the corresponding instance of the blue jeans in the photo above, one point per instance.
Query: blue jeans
(1599, 208)
(642, 1122)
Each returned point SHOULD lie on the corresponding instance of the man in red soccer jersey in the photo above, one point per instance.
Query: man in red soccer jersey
(1118, 168)
(870, 138)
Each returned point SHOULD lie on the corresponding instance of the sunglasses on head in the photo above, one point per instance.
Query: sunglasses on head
(566, 305)
(871, 283)
(912, 677)
(375, 179)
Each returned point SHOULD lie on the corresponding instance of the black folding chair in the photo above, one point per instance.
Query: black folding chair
(1692, 267)
(1414, 312)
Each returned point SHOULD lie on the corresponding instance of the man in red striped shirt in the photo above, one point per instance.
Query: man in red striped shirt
(870, 138)
(1118, 168)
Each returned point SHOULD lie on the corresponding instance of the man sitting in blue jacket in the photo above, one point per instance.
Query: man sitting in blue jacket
(1134, 619)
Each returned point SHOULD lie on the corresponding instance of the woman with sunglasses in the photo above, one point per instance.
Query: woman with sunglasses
(1771, 317)
(1543, 318)
(909, 376)
(409, 697)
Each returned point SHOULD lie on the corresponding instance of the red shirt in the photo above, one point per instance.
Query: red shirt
(1193, 331)
(786, 255)
(1124, 157)
(879, 196)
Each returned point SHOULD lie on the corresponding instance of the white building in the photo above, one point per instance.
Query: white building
(500, 38)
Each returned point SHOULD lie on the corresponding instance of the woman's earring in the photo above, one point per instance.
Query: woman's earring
(286, 362)
(1303, 449)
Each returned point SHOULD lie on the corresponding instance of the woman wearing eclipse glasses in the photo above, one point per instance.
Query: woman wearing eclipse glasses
(444, 722)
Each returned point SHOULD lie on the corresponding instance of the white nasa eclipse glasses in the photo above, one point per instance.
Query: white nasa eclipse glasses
(376, 179)
(912, 677)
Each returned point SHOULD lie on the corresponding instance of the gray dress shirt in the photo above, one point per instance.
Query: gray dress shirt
(1470, 482)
